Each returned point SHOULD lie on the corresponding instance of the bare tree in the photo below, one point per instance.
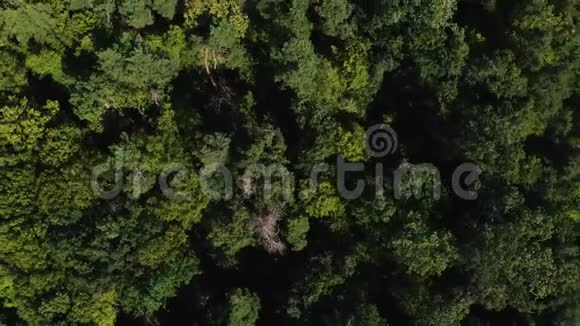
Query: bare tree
(267, 231)
(247, 185)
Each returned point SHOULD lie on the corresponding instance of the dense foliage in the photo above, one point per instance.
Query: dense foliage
(119, 94)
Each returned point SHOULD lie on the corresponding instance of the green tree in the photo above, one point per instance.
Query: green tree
(244, 308)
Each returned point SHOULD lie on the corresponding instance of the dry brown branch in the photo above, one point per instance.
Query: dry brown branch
(207, 70)
(247, 185)
(226, 90)
(219, 84)
(267, 231)
(155, 97)
(214, 61)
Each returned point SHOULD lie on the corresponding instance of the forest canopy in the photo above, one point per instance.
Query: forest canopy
(199, 162)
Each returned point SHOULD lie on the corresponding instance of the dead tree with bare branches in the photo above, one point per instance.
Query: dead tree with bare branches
(267, 230)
